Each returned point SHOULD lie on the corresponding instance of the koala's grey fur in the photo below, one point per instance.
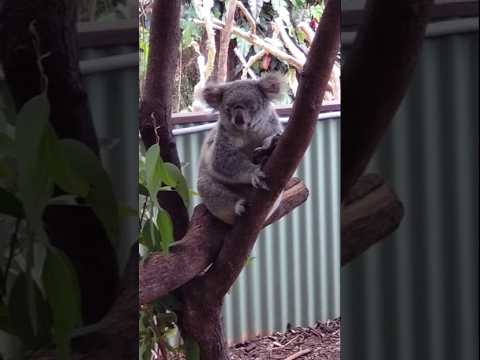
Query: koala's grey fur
(247, 124)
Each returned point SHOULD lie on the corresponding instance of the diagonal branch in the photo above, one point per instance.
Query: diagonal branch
(383, 56)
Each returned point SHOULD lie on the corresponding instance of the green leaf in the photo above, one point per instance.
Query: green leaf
(10, 205)
(142, 189)
(34, 186)
(19, 316)
(165, 226)
(150, 236)
(180, 183)
(7, 145)
(7, 104)
(63, 296)
(153, 170)
(59, 168)
(101, 196)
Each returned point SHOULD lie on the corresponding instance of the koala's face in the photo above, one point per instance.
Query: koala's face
(243, 103)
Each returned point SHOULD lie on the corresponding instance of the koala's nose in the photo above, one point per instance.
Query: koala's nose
(239, 120)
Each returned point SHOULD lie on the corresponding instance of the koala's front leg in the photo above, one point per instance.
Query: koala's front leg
(232, 166)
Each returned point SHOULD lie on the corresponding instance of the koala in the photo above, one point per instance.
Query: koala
(248, 125)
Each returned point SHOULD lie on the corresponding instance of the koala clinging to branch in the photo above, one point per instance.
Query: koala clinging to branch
(248, 125)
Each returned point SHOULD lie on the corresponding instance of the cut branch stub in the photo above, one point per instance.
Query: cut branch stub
(370, 213)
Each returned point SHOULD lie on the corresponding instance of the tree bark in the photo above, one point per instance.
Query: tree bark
(76, 231)
(199, 248)
(223, 52)
(156, 101)
(370, 213)
(239, 241)
(383, 56)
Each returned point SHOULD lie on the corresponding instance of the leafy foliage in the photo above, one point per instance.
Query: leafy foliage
(157, 321)
(39, 290)
(295, 17)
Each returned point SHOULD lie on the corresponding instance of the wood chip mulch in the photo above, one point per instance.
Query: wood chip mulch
(320, 342)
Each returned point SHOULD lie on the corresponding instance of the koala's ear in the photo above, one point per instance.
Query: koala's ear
(213, 94)
(271, 85)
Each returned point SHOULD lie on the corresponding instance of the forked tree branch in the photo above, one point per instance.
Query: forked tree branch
(282, 164)
(198, 249)
(383, 56)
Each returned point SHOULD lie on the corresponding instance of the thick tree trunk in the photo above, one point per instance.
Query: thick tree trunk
(156, 101)
(76, 231)
(203, 322)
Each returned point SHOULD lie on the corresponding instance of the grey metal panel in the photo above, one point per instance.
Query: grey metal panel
(113, 97)
(295, 274)
(415, 295)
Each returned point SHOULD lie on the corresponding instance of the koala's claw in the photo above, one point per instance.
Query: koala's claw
(258, 180)
(240, 207)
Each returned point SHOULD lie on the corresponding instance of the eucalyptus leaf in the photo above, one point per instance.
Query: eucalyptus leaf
(19, 317)
(153, 170)
(180, 183)
(33, 182)
(101, 196)
(7, 146)
(165, 226)
(142, 189)
(59, 169)
(150, 236)
(63, 295)
(7, 103)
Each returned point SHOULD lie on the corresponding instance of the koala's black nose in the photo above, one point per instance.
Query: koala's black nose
(239, 120)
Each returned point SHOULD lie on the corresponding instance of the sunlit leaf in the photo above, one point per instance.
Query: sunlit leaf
(165, 226)
(180, 183)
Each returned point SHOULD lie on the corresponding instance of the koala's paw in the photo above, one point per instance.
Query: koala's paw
(240, 207)
(258, 179)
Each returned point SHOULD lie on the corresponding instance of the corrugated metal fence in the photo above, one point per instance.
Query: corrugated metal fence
(415, 295)
(295, 274)
(110, 77)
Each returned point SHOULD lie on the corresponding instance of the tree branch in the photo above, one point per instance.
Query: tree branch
(248, 16)
(294, 50)
(198, 249)
(256, 40)
(156, 101)
(371, 212)
(287, 155)
(383, 56)
(225, 34)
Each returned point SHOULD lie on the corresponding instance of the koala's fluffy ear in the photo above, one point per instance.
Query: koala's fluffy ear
(213, 94)
(271, 85)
